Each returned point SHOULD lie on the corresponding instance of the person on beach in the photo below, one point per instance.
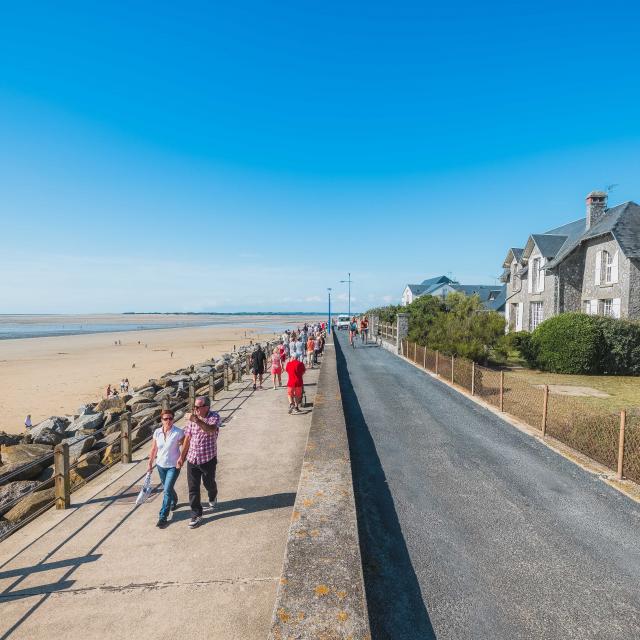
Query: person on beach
(257, 363)
(317, 348)
(364, 329)
(27, 422)
(292, 347)
(300, 349)
(201, 446)
(108, 391)
(276, 368)
(168, 453)
(295, 371)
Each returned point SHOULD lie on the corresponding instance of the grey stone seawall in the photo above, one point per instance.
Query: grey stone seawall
(321, 591)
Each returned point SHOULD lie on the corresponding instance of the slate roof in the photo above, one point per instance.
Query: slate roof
(623, 222)
(428, 285)
(488, 294)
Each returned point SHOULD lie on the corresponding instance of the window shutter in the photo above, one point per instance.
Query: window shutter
(614, 268)
(598, 266)
(530, 276)
(615, 306)
(541, 275)
(594, 307)
(519, 317)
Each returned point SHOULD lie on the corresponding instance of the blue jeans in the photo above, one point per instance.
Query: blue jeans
(168, 477)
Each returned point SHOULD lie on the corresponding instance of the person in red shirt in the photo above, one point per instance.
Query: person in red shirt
(295, 370)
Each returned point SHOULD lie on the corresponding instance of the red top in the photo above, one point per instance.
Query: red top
(295, 370)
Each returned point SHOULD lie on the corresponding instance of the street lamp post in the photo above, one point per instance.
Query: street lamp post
(349, 281)
(329, 329)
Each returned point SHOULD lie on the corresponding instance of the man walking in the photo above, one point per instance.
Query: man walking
(295, 371)
(201, 443)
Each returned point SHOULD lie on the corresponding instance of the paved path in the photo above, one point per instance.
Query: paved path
(103, 570)
(473, 530)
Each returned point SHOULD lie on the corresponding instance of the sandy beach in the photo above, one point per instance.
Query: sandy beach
(55, 375)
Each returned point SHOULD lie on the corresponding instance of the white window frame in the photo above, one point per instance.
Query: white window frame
(606, 307)
(535, 318)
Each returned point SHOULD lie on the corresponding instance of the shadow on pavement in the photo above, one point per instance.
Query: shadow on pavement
(394, 599)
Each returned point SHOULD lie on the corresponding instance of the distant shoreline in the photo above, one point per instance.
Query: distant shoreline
(19, 327)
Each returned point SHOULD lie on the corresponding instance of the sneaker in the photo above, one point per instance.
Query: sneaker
(212, 505)
(297, 409)
(194, 522)
(290, 409)
(161, 524)
(174, 506)
(254, 387)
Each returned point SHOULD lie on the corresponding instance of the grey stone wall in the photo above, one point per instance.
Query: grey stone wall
(633, 308)
(593, 291)
(570, 277)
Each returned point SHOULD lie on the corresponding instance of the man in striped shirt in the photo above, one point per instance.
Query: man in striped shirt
(201, 448)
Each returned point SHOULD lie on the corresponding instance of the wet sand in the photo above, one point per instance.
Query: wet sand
(55, 375)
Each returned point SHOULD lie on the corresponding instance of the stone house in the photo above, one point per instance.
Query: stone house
(491, 296)
(590, 265)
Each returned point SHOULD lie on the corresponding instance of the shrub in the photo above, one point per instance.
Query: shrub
(567, 343)
(621, 347)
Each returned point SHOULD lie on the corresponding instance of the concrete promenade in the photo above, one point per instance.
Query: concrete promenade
(102, 569)
(471, 529)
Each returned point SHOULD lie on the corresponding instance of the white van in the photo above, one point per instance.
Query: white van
(343, 322)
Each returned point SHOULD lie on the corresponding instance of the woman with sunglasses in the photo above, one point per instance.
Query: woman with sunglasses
(168, 454)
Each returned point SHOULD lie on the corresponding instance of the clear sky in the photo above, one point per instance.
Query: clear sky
(247, 155)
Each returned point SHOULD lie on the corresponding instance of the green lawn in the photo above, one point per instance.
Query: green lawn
(624, 391)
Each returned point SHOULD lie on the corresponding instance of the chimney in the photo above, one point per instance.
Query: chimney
(596, 207)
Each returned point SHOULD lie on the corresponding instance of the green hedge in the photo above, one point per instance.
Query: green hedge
(583, 344)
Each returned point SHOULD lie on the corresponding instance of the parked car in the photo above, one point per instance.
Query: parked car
(343, 322)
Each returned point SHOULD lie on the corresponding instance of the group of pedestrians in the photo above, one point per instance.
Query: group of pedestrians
(197, 444)
(356, 327)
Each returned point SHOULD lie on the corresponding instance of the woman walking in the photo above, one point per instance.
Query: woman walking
(167, 454)
(276, 367)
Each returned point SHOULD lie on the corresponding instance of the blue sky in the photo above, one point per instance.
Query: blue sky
(247, 155)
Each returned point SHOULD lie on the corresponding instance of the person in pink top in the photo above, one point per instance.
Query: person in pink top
(276, 367)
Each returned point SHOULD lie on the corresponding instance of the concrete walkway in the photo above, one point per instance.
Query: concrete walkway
(102, 569)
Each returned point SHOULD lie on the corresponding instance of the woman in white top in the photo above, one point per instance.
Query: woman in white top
(167, 453)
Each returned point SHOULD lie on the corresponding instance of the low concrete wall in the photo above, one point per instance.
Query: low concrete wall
(321, 592)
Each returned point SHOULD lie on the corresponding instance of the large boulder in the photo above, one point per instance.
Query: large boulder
(167, 392)
(86, 409)
(141, 434)
(89, 458)
(79, 445)
(176, 379)
(112, 450)
(88, 422)
(136, 407)
(54, 424)
(9, 438)
(110, 404)
(14, 490)
(25, 453)
(80, 474)
(29, 505)
(46, 436)
(150, 413)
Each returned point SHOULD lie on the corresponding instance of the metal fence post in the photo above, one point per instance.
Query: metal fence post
(125, 438)
(212, 387)
(545, 409)
(192, 395)
(452, 365)
(502, 391)
(623, 421)
(473, 377)
(61, 470)
(437, 359)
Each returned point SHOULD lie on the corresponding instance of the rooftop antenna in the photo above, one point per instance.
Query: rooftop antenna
(610, 187)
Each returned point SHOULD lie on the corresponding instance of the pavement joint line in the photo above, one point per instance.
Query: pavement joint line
(151, 586)
(626, 487)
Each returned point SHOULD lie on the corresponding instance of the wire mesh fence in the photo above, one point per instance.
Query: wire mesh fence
(523, 400)
(571, 420)
(631, 466)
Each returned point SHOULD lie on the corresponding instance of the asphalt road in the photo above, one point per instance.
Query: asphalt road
(472, 529)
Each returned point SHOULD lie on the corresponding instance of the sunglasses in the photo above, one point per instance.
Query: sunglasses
(167, 418)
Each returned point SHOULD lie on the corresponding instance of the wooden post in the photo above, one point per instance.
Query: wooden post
(61, 470)
(545, 409)
(437, 359)
(239, 376)
(502, 391)
(623, 421)
(452, 361)
(424, 357)
(192, 395)
(225, 376)
(125, 438)
(415, 352)
(212, 386)
(473, 377)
